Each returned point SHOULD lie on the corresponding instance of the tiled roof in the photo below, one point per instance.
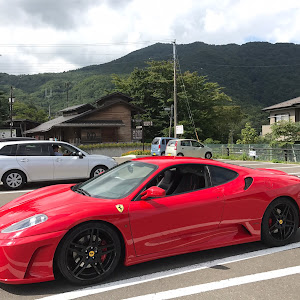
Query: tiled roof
(285, 104)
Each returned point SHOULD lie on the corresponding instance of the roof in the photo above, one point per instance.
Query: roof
(86, 106)
(114, 95)
(289, 103)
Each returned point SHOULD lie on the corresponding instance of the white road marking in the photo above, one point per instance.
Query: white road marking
(21, 191)
(217, 285)
(164, 274)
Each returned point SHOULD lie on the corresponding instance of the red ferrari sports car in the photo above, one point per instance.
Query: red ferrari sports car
(141, 210)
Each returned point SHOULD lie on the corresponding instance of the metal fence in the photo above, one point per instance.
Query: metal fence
(257, 152)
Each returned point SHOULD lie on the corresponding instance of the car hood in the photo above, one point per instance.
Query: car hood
(56, 202)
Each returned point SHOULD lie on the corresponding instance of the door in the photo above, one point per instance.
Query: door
(68, 164)
(36, 160)
(197, 149)
(176, 221)
(185, 148)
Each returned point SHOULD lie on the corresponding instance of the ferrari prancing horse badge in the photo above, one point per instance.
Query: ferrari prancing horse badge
(120, 208)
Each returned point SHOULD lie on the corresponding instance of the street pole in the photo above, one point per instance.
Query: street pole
(11, 109)
(175, 89)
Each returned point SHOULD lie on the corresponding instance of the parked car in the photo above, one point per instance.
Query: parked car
(32, 161)
(142, 210)
(188, 147)
(158, 145)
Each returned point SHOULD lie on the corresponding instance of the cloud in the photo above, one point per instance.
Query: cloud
(49, 36)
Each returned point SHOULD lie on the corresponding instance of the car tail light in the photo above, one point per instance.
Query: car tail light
(159, 146)
(175, 147)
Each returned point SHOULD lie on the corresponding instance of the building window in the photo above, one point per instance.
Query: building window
(282, 117)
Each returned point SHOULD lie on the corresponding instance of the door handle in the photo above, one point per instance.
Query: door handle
(24, 160)
(58, 159)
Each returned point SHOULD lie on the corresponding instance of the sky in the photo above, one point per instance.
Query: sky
(42, 36)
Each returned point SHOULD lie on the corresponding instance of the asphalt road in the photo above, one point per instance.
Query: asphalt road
(249, 271)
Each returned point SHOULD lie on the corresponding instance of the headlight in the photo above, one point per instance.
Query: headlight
(26, 223)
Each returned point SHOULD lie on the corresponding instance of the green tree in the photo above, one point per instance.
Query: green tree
(248, 135)
(4, 108)
(152, 89)
(22, 110)
(284, 133)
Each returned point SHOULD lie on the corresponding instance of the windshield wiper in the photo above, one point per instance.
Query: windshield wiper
(82, 192)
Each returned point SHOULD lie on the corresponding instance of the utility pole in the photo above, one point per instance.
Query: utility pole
(175, 89)
(67, 84)
(11, 99)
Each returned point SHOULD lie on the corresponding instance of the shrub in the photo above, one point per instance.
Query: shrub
(137, 152)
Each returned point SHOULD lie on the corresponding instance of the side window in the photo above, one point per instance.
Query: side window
(221, 175)
(196, 144)
(181, 179)
(164, 142)
(185, 143)
(9, 150)
(33, 150)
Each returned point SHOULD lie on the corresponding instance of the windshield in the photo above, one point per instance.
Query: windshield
(118, 182)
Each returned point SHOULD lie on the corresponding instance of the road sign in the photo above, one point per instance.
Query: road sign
(147, 123)
(179, 129)
(137, 134)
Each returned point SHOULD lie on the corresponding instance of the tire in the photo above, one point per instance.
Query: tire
(180, 154)
(84, 260)
(98, 170)
(208, 155)
(162, 154)
(280, 222)
(14, 179)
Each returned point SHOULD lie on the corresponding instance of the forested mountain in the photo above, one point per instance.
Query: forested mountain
(254, 74)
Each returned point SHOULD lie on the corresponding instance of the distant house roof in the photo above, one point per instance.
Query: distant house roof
(289, 103)
(71, 114)
(113, 96)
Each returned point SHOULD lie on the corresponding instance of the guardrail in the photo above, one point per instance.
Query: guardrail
(261, 152)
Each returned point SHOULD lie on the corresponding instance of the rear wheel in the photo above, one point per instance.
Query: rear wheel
(163, 154)
(14, 179)
(98, 170)
(180, 154)
(89, 253)
(280, 222)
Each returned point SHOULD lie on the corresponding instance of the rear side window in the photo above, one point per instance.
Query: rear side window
(221, 175)
(155, 141)
(9, 150)
(33, 150)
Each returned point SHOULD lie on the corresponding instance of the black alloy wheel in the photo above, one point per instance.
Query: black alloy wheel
(89, 253)
(280, 222)
(208, 155)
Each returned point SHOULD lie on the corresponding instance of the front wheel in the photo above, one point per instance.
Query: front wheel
(280, 222)
(89, 253)
(97, 171)
(208, 155)
(14, 179)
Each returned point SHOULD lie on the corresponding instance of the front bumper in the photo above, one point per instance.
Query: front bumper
(29, 259)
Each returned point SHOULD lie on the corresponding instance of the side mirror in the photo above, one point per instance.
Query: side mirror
(80, 154)
(153, 191)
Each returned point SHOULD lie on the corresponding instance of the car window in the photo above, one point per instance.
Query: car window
(181, 179)
(33, 150)
(185, 143)
(118, 182)
(64, 149)
(220, 175)
(196, 144)
(155, 141)
(9, 150)
(171, 143)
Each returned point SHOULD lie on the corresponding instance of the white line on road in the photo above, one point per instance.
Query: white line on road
(164, 274)
(217, 285)
(11, 192)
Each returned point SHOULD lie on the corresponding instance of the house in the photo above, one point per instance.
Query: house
(108, 120)
(18, 128)
(288, 110)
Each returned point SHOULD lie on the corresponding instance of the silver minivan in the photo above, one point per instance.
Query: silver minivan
(159, 144)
